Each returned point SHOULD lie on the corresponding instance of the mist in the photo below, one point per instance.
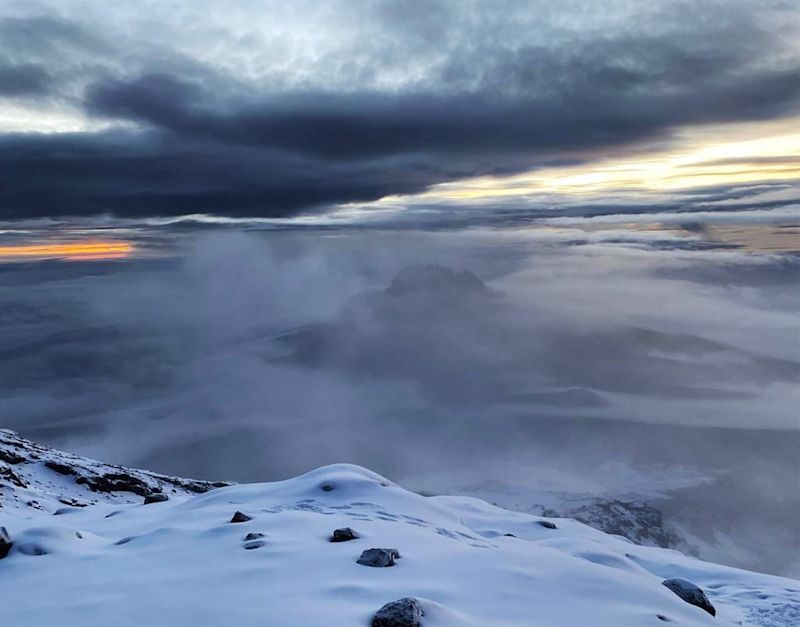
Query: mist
(495, 362)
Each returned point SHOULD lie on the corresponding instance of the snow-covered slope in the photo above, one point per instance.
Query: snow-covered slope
(182, 562)
(37, 477)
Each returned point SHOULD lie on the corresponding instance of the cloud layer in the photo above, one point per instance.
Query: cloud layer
(536, 355)
(311, 105)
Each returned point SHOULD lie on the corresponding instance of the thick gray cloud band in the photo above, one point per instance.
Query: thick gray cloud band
(486, 98)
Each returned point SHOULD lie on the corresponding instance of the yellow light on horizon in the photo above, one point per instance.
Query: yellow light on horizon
(75, 251)
(702, 157)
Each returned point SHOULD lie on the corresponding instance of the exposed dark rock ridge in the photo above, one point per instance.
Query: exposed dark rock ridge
(64, 479)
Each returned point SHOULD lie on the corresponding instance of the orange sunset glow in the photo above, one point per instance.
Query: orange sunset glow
(73, 251)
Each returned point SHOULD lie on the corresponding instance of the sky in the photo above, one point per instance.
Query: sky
(559, 241)
(276, 109)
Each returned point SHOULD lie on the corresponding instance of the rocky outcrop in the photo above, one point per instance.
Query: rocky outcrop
(691, 593)
(9, 476)
(640, 522)
(115, 482)
(156, 497)
(63, 478)
(405, 612)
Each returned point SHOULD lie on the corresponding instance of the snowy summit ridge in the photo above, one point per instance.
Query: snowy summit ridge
(167, 552)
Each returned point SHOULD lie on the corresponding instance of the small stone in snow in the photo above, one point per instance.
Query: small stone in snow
(405, 612)
(547, 524)
(379, 558)
(156, 497)
(690, 593)
(238, 517)
(253, 536)
(255, 544)
(344, 535)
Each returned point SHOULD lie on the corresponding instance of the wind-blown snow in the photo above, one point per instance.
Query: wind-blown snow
(183, 563)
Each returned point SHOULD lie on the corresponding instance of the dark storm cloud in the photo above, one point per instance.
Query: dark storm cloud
(212, 140)
(137, 174)
(22, 80)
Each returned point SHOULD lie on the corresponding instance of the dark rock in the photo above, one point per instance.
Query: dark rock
(255, 544)
(72, 502)
(344, 535)
(13, 478)
(116, 482)
(661, 617)
(5, 542)
(509, 535)
(326, 487)
(547, 524)
(61, 469)
(379, 558)
(690, 593)
(405, 612)
(156, 497)
(253, 536)
(9, 457)
(238, 517)
(191, 485)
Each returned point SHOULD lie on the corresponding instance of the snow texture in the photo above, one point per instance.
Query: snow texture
(112, 560)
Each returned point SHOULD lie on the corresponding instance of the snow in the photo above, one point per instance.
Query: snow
(182, 562)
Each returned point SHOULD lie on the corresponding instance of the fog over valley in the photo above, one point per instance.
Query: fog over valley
(632, 368)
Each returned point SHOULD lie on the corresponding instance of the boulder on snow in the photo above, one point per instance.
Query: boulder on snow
(547, 524)
(155, 497)
(239, 517)
(5, 542)
(344, 535)
(405, 612)
(378, 558)
(690, 593)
